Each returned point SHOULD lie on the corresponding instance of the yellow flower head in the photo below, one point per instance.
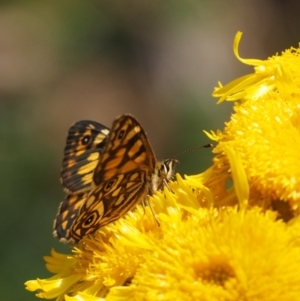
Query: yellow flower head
(195, 254)
(214, 242)
(261, 140)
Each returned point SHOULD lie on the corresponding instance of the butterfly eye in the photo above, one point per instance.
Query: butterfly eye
(90, 220)
(85, 139)
(121, 134)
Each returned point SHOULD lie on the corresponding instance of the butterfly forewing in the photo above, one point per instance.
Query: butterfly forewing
(127, 149)
(85, 143)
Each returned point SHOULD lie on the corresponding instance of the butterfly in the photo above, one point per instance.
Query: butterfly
(106, 173)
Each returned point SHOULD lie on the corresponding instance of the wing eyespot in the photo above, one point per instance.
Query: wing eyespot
(121, 134)
(86, 139)
(90, 220)
(109, 184)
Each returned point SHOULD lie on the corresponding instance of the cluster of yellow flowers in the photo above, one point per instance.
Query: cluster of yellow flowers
(229, 233)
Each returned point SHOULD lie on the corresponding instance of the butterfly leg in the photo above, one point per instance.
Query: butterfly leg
(147, 201)
(144, 204)
(166, 184)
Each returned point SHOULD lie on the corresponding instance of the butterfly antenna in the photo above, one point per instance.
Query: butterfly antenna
(193, 149)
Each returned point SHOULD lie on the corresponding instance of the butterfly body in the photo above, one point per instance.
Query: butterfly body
(164, 171)
(125, 173)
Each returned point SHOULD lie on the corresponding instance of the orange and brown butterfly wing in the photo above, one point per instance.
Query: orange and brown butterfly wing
(85, 143)
(127, 149)
(68, 212)
(122, 177)
(108, 202)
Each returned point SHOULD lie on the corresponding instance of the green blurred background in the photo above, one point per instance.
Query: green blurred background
(62, 61)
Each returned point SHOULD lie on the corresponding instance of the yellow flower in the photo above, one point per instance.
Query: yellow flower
(278, 73)
(195, 254)
(230, 257)
(111, 257)
(214, 242)
(261, 140)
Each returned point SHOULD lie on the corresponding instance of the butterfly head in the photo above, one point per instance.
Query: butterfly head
(168, 168)
(164, 172)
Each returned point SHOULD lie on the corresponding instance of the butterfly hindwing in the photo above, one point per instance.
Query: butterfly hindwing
(68, 212)
(85, 143)
(109, 201)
